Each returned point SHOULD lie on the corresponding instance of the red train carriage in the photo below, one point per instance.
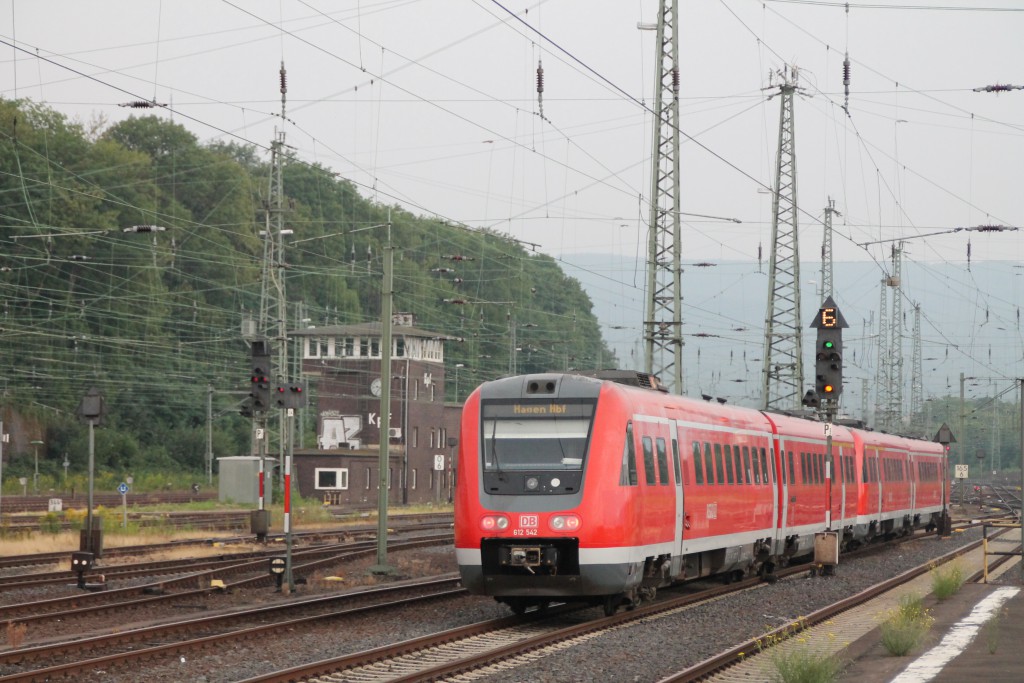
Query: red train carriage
(573, 487)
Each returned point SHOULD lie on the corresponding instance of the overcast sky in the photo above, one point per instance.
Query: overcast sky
(432, 104)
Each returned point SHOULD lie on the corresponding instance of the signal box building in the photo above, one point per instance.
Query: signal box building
(343, 366)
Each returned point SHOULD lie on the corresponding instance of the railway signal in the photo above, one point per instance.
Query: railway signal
(828, 360)
(291, 395)
(260, 379)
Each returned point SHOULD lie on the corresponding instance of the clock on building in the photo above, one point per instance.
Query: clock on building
(375, 387)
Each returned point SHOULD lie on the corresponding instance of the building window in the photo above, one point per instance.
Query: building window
(415, 437)
(331, 478)
(433, 435)
(399, 347)
(375, 348)
(413, 478)
(364, 347)
(367, 478)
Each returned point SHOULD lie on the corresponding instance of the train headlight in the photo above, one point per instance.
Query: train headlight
(565, 523)
(532, 483)
(494, 523)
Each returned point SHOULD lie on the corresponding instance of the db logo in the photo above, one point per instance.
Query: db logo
(528, 521)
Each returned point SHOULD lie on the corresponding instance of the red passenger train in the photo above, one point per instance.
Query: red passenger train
(603, 488)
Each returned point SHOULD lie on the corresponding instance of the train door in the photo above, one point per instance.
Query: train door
(782, 486)
(911, 477)
(677, 550)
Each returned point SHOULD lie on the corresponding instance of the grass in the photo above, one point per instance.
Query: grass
(802, 665)
(946, 581)
(906, 627)
(307, 514)
(794, 661)
(993, 632)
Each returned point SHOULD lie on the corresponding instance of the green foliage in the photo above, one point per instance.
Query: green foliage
(800, 664)
(50, 523)
(947, 580)
(906, 627)
(152, 320)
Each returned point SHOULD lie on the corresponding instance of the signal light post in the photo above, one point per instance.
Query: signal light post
(259, 405)
(828, 386)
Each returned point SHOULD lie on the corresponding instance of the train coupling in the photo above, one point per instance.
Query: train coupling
(525, 557)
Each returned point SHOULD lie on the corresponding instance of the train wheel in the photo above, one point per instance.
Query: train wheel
(518, 606)
(611, 605)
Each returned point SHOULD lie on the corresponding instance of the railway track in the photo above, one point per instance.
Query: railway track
(195, 582)
(47, 662)
(403, 523)
(475, 646)
(457, 652)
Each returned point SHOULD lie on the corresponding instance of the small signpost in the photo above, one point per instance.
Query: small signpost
(122, 488)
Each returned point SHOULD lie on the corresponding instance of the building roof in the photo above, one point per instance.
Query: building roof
(371, 329)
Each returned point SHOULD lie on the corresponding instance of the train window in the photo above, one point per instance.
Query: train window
(803, 468)
(628, 475)
(662, 461)
(792, 473)
(709, 468)
(698, 464)
(752, 477)
(720, 478)
(728, 464)
(675, 462)
(819, 468)
(764, 467)
(742, 477)
(526, 435)
(648, 447)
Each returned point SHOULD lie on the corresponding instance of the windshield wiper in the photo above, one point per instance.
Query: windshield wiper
(494, 450)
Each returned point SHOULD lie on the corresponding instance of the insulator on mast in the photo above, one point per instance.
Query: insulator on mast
(846, 81)
(675, 80)
(540, 88)
(284, 79)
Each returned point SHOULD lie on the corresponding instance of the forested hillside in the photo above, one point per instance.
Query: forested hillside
(153, 318)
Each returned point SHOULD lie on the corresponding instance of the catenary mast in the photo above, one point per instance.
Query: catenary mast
(663, 339)
(783, 375)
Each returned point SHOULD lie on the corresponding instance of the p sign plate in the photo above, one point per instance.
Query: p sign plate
(961, 471)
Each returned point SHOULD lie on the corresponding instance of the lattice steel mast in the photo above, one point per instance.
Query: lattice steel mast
(273, 321)
(663, 340)
(889, 414)
(916, 376)
(826, 251)
(783, 375)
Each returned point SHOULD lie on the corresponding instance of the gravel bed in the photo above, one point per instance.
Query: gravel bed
(644, 651)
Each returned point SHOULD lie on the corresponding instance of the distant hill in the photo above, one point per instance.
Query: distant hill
(970, 322)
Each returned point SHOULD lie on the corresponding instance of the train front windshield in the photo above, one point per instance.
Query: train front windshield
(543, 436)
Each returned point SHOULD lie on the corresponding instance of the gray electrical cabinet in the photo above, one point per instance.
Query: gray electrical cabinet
(239, 477)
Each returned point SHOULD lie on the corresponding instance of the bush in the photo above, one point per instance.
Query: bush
(801, 665)
(906, 626)
(946, 581)
(50, 523)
